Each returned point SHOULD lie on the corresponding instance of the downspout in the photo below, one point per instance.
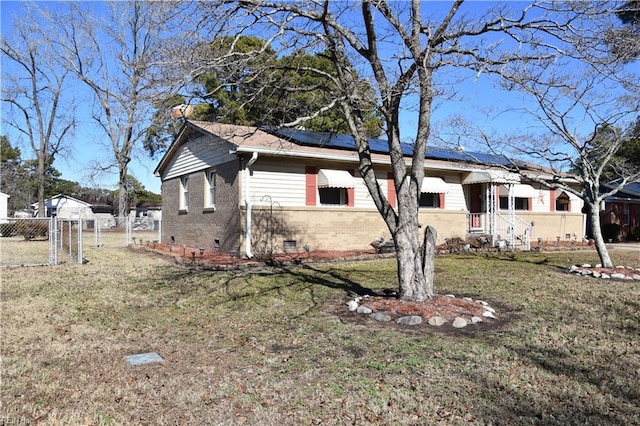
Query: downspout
(247, 203)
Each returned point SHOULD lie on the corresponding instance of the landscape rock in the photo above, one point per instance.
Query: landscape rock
(635, 277)
(488, 314)
(489, 308)
(364, 310)
(381, 316)
(459, 322)
(476, 320)
(352, 305)
(409, 320)
(618, 276)
(437, 321)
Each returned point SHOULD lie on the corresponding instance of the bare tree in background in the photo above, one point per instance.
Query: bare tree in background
(36, 90)
(413, 54)
(119, 57)
(584, 102)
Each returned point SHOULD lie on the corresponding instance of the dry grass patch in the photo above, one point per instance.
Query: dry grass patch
(263, 347)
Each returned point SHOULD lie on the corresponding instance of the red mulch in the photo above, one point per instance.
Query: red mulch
(445, 306)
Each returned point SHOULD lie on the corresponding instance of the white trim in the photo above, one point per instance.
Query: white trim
(495, 176)
(328, 178)
(520, 191)
(434, 185)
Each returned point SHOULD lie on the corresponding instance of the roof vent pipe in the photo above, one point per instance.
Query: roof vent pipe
(247, 203)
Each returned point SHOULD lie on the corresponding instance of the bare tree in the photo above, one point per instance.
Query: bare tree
(413, 54)
(583, 101)
(34, 87)
(118, 55)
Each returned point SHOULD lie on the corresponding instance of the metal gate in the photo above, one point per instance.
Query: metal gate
(40, 241)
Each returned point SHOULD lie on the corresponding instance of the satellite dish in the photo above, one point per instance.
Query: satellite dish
(181, 111)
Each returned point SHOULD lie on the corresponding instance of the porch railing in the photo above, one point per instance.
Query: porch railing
(516, 231)
(476, 222)
(516, 234)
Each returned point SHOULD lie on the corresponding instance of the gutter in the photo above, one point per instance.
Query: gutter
(247, 203)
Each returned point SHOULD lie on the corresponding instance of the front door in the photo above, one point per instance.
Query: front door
(475, 205)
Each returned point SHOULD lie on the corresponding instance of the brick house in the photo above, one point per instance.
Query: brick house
(237, 188)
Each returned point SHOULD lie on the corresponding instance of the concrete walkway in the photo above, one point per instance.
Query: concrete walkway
(625, 246)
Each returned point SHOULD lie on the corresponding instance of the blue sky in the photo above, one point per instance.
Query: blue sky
(481, 105)
(88, 143)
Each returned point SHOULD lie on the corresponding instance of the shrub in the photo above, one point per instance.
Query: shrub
(634, 235)
(610, 231)
(8, 229)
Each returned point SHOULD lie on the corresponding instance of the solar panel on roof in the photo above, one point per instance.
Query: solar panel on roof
(380, 146)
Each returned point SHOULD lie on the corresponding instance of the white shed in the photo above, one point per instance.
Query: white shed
(4, 210)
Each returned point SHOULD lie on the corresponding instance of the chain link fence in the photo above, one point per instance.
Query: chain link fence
(40, 241)
(50, 241)
(123, 231)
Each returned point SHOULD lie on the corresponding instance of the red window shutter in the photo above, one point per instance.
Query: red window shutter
(311, 174)
(441, 200)
(351, 193)
(552, 202)
(569, 206)
(391, 190)
(529, 204)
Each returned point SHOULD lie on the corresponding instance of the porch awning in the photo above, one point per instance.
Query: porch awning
(519, 190)
(571, 196)
(496, 176)
(328, 178)
(434, 185)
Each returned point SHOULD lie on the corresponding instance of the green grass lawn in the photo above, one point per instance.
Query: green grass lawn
(265, 346)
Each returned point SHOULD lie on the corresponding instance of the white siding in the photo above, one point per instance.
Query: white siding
(285, 184)
(198, 154)
(4, 198)
(454, 200)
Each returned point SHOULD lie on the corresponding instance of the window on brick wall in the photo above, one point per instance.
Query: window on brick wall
(210, 189)
(184, 193)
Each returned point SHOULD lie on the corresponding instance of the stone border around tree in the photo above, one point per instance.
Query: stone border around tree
(358, 305)
(626, 273)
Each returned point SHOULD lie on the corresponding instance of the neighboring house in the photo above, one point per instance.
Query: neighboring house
(67, 207)
(622, 209)
(4, 209)
(228, 187)
(146, 216)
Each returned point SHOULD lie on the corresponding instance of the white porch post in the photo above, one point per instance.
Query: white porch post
(512, 214)
(491, 207)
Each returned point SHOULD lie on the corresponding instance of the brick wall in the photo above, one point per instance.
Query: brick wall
(337, 228)
(549, 226)
(201, 226)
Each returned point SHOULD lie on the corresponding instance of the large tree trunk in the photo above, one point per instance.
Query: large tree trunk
(410, 274)
(123, 198)
(42, 211)
(601, 248)
(428, 258)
